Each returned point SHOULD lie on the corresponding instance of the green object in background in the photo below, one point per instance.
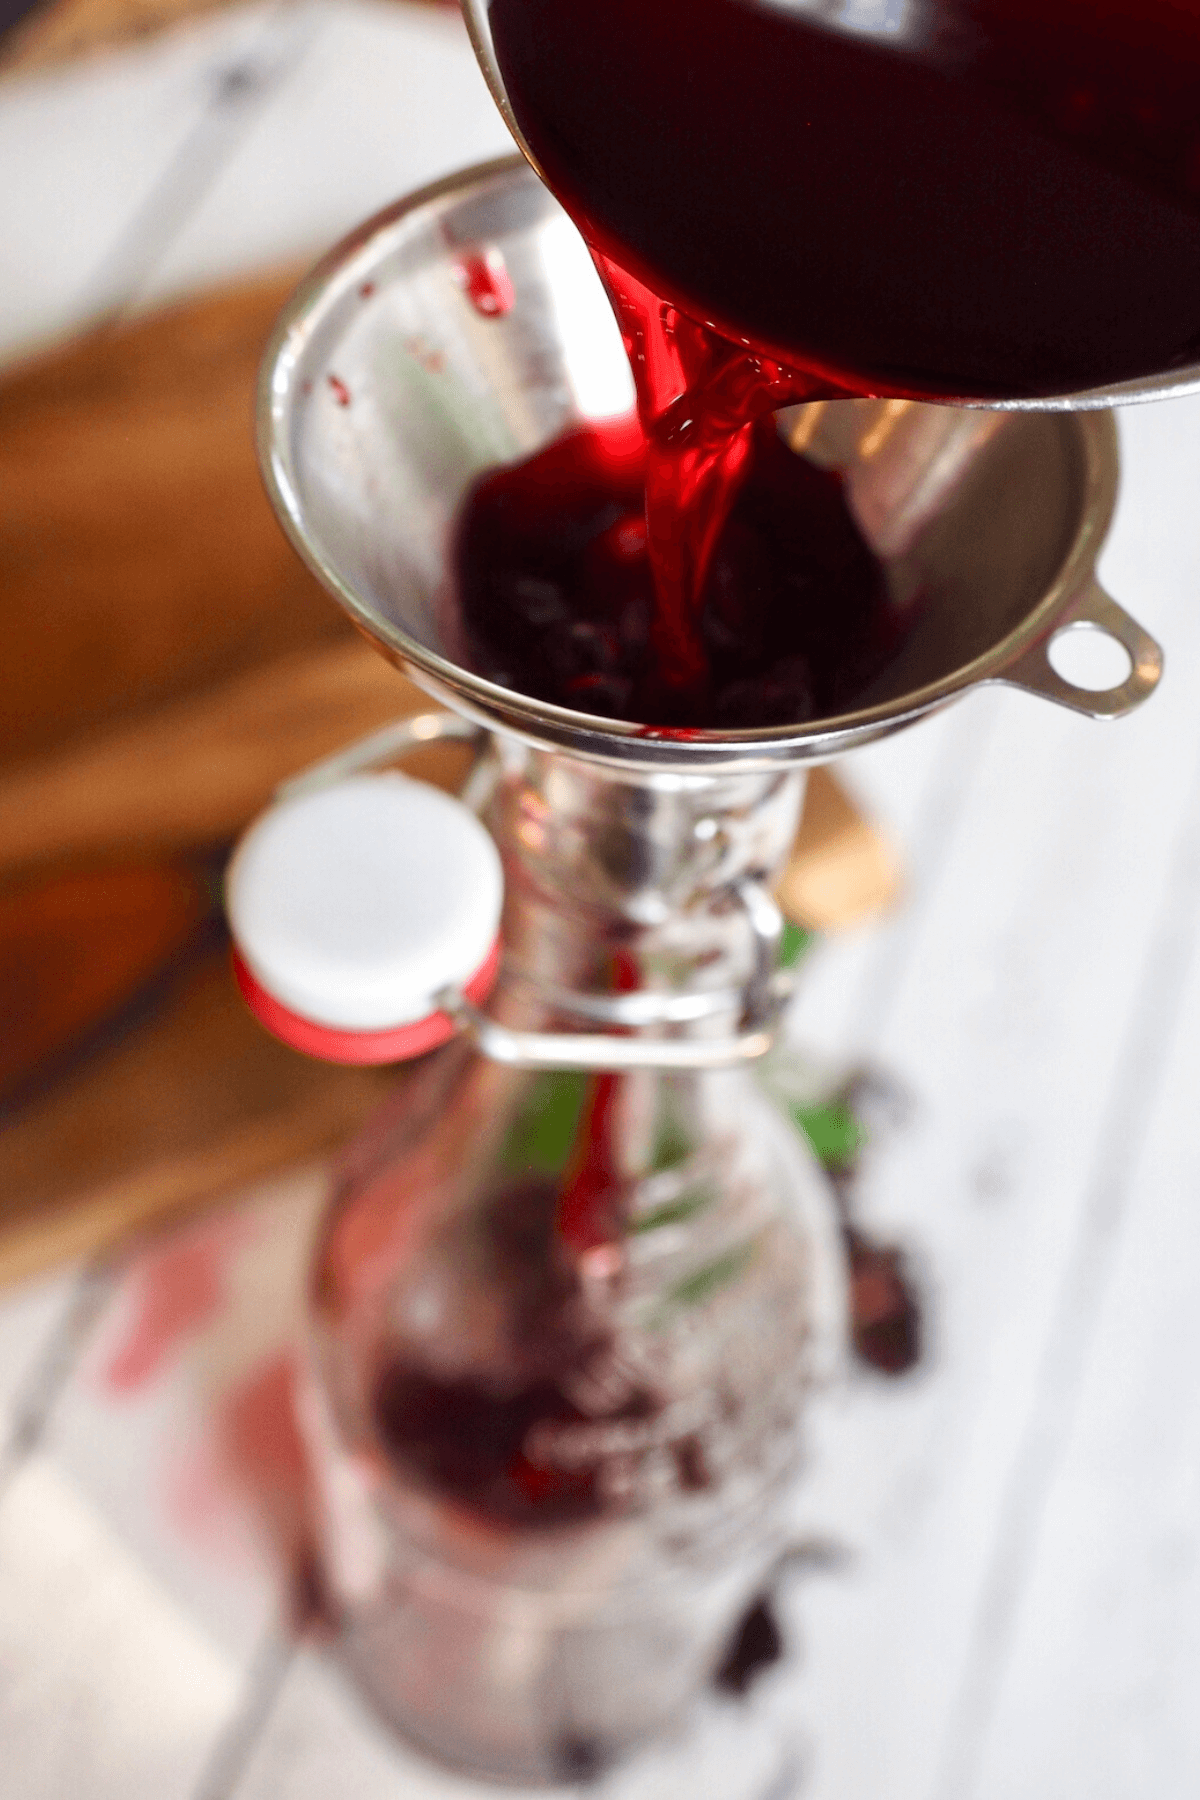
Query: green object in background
(673, 1142)
(834, 1133)
(793, 944)
(540, 1137)
(702, 1283)
(673, 1212)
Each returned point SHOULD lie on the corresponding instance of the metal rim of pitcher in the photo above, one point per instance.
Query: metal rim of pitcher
(1020, 658)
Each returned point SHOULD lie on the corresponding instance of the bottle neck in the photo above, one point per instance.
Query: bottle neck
(637, 901)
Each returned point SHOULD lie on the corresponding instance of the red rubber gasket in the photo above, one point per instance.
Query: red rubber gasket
(330, 1043)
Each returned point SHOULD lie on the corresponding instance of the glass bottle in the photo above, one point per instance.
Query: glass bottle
(565, 1323)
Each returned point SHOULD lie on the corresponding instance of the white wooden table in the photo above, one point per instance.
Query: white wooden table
(1017, 1613)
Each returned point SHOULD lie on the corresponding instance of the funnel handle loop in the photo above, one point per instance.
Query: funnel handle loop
(1092, 609)
(381, 748)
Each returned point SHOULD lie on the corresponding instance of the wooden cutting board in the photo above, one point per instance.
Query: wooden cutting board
(140, 559)
(169, 662)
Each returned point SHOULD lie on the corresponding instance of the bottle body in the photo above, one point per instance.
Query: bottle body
(565, 1325)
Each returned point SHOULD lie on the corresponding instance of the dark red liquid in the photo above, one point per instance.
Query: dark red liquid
(493, 1440)
(558, 597)
(555, 1427)
(468, 1442)
(995, 198)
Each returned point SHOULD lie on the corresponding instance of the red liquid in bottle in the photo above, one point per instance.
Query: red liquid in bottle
(477, 1441)
(496, 1446)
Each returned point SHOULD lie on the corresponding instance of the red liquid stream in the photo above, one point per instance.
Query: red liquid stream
(698, 399)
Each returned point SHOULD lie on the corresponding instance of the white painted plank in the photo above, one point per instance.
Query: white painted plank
(1100, 1678)
(177, 1427)
(85, 147)
(1008, 1022)
(261, 47)
(107, 1692)
(914, 787)
(29, 1317)
(386, 98)
(320, 1740)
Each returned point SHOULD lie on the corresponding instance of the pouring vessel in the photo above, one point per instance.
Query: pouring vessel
(1029, 166)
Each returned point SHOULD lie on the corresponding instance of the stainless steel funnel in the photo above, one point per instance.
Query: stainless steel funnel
(387, 391)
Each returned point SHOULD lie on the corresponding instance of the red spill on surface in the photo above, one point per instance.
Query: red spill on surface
(487, 283)
(241, 1473)
(366, 290)
(206, 1507)
(261, 1444)
(244, 1485)
(176, 1293)
(341, 392)
(261, 1435)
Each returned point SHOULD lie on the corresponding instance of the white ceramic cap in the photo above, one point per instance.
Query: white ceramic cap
(354, 905)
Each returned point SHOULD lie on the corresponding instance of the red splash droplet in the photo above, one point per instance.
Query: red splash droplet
(487, 284)
(341, 392)
(366, 290)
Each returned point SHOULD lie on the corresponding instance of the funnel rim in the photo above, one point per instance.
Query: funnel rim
(617, 741)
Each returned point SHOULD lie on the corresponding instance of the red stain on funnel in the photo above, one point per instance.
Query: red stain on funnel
(485, 280)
